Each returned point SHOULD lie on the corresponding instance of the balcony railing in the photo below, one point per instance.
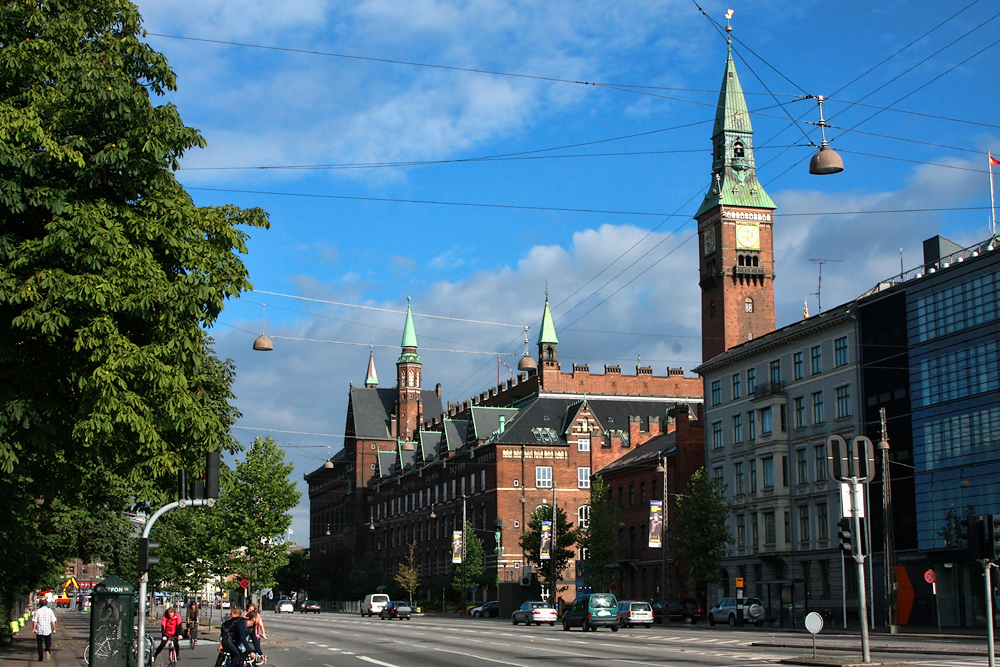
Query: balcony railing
(766, 389)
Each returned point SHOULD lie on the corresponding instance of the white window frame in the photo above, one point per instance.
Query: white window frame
(583, 477)
(543, 477)
(583, 444)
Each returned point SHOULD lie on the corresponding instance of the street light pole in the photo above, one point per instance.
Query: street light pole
(664, 579)
(555, 576)
(465, 561)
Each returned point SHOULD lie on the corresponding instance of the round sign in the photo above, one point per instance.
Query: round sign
(244, 583)
(814, 622)
(929, 576)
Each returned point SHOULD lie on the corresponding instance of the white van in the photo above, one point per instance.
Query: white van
(373, 604)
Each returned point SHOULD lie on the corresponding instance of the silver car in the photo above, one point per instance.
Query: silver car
(726, 611)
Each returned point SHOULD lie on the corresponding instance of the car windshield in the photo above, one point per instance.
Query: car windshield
(602, 601)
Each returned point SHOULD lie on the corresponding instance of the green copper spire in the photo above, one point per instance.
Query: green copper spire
(409, 338)
(547, 334)
(372, 379)
(734, 174)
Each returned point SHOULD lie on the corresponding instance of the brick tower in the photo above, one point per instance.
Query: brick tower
(408, 369)
(734, 232)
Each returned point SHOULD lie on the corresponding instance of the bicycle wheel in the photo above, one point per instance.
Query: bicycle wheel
(86, 654)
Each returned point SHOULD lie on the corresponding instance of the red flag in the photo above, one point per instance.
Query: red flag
(993, 161)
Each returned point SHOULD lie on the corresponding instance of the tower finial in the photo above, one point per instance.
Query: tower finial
(729, 27)
(546, 290)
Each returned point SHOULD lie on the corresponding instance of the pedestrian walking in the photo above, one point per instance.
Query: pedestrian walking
(43, 624)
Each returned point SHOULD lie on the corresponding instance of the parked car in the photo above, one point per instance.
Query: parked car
(686, 610)
(489, 610)
(396, 609)
(310, 605)
(725, 611)
(596, 610)
(634, 613)
(535, 612)
(373, 604)
(284, 605)
(226, 604)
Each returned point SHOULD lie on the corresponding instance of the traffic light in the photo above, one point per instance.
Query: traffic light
(992, 536)
(146, 559)
(972, 532)
(212, 465)
(846, 536)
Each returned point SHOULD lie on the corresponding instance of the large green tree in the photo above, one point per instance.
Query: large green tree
(109, 277)
(562, 550)
(701, 533)
(471, 570)
(598, 537)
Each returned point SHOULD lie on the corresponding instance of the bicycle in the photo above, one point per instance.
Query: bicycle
(174, 648)
(103, 650)
(192, 629)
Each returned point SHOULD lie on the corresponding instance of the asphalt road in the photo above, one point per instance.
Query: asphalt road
(344, 640)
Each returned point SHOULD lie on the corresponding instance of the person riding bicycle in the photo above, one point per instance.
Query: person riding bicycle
(171, 624)
(192, 623)
(259, 626)
(234, 637)
(254, 622)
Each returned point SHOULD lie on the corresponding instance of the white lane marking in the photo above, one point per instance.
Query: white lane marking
(324, 645)
(333, 648)
(347, 653)
(479, 657)
(375, 662)
(984, 578)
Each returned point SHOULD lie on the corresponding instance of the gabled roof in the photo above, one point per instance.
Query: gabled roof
(456, 432)
(386, 464)
(431, 444)
(407, 455)
(371, 408)
(646, 454)
(486, 420)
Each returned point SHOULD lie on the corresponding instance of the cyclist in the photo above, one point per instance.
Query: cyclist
(254, 621)
(192, 623)
(233, 637)
(259, 627)
(171, 624)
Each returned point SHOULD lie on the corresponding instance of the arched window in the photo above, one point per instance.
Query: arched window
(748, 305)
(631, 495)
(583, 516)
(411, 379)
(738, 149)
(642, 493)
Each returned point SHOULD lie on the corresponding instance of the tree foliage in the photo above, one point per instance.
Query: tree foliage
(471, 570)
(366, 577)
(408, 574)
(109, 277)
(701, 533)
(599, 537)
(295, 574)
(562, 550)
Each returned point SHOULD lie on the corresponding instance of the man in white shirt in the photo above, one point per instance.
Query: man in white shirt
(43, 624)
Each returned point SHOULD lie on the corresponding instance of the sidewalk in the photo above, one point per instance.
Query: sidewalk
(68, 642)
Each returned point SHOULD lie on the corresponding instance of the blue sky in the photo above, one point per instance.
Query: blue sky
(619, 259)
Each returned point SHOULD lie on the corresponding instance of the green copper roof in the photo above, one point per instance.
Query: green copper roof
(372, 379)
(409, 338)
(734, 175)
(547, 334)
(409, 333)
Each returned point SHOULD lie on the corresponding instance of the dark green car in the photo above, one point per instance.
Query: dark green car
(589, 612)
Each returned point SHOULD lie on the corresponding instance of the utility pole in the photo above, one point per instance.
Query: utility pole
(465, 560)
(665, 558)
(555, 573)
(855, 466)
(889, 546)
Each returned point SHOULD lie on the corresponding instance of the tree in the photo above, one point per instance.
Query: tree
(562, 551)
(598, 537)
(294, 575)
(701, 534)
(109, 278)
(470, 570)
(366, 577)
(408, 574)
(253, 513)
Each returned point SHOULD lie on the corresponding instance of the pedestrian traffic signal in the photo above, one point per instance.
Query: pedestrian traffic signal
(146, 557)
(972, 532)
(993, 536)
(845, 535)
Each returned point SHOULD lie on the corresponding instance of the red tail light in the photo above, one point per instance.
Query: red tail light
(588, 616)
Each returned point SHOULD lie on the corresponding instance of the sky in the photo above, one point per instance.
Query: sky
(470, 154)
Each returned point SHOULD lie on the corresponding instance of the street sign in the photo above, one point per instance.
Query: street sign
(244, 583)
(929, 577)
(814, 622)
(739, 582)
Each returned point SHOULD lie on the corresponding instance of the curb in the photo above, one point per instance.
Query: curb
(874, 649)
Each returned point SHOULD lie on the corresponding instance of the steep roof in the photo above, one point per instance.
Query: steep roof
(386, 464)
(371, 380)
(407, 455)
(645, 454)
(409, 338)
(486, 420)
(547, 332)
(456, 431)
(735, 173)
(432, 444)
(371, 407)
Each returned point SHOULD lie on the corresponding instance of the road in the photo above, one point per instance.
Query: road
(344, 640)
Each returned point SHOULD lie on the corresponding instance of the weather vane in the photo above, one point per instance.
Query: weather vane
(729, 18)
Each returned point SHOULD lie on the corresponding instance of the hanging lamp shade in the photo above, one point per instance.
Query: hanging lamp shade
(826, 161)
(263, 344)
(328, 465)
(527, 364)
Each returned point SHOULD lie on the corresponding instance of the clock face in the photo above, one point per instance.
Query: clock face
(748, 236)
(710, 240)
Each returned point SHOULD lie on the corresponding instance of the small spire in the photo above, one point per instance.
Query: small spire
(805, 309)
(372, 379)
(547, 332)
(409, 332)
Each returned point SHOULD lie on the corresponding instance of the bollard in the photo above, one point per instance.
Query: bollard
(15, 627)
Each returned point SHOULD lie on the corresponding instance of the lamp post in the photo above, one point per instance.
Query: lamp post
(664, 579)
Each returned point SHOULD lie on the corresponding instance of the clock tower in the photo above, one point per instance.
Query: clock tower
(734, 232)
